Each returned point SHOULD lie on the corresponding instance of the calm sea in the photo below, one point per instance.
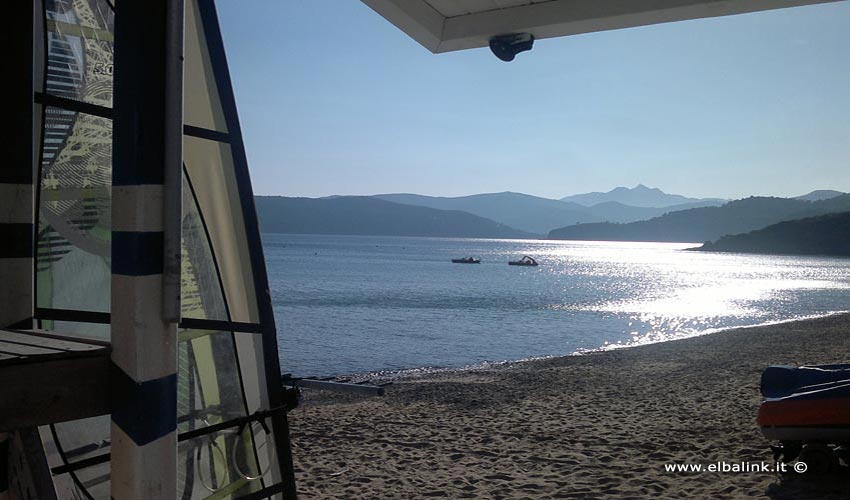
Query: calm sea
(353, 304)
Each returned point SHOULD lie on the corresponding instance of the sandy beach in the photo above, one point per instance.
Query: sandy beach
(601, 425)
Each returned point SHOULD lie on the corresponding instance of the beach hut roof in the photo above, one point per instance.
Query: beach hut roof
(449, 25)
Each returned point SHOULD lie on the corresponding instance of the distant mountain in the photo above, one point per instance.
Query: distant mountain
(612, 211)
(638, 196)
(820, 194)
(534, 214)
(707, 223)
(371, 216)
(521, 211)
(823, 235)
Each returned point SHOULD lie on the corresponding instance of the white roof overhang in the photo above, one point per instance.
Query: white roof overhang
(448, 25)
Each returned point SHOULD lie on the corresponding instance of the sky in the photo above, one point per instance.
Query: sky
(333, 99)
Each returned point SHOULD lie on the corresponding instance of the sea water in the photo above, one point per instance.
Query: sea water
(355, 304)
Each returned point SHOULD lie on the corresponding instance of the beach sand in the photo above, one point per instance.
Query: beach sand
(601, 425)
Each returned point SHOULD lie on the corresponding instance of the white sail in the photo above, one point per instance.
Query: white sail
(227, 355)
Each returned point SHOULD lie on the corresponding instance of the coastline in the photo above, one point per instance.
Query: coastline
(600, 424)
(407, 374)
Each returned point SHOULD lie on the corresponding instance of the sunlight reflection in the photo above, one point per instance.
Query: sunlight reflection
(668, 298)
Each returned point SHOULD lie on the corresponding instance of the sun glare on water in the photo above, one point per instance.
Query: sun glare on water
(669, 293)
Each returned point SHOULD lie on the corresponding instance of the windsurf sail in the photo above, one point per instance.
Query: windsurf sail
(232, 428)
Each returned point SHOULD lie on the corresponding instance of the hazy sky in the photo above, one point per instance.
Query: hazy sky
(335, 100)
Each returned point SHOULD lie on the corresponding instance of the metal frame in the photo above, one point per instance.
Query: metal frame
(104, 112)
(185, 436)
(73, 105)
(103, 318)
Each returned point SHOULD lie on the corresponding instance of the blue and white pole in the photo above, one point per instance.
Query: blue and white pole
(147, 133)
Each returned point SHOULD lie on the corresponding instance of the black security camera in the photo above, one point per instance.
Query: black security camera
(506, 47)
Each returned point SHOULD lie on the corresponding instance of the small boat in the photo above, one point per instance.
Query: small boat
(467, 260)
(807, 409)
(524, 261)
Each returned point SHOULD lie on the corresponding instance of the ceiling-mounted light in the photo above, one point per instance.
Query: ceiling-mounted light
(506, 47)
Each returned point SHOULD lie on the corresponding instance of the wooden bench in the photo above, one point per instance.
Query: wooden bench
(48, 377)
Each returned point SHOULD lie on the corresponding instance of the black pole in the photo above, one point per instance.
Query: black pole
(16, 188)
(16, 174)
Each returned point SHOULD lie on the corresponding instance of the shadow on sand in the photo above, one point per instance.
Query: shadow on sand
(793, 486)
